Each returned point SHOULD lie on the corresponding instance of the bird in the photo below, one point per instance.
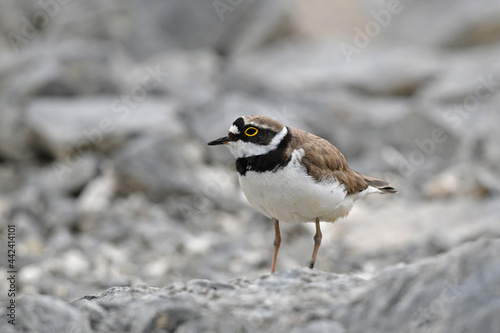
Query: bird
(291, 175)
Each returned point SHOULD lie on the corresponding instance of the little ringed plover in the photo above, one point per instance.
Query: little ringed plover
(290, 175)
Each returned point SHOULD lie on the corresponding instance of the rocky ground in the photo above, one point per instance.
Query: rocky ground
(297, 300)
(125, 220)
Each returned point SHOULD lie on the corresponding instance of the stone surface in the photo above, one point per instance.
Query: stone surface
(465, 24)
(40, 314)
(449, 293)
(74, 127)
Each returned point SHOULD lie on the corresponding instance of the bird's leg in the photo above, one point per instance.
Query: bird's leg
(277, 242)
(317, 243)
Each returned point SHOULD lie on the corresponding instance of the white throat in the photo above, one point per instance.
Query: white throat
(245, 149)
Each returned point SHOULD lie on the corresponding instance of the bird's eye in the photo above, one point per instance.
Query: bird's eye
(251, 131)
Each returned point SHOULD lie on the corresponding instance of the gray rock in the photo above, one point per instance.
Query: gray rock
(449, 293)
(52, 189)
(468, 23)
(320, 326)
(298, 68)
(154, 314)
(69, 127)
(458, 180)
(65, 68)
(229, 27)
(14, 138)
(159, 164)
(434, 294)
(98, 193)
(9, 180)
(64, 177)
(189, 76)
(41, 313)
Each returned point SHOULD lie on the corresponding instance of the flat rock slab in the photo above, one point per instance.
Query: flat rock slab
(65, 125)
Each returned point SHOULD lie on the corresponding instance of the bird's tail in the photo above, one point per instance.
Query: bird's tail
(383, 186)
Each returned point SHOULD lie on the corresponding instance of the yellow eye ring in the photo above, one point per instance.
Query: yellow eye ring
(251, 131)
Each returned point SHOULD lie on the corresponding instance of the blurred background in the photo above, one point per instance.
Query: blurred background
(106, 108)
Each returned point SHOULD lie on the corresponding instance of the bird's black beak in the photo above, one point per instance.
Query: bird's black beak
(220, 141)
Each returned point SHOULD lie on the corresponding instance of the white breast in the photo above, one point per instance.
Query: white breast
(291, 195)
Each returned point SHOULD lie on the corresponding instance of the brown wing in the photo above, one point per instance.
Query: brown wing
(324, 161)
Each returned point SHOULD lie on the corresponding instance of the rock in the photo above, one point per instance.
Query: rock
(266, 21)
(428, 294)
(65, 68)
(153, 314)
(437, 294)
(462, 180)
(229, 27)
(433, 227)
(371, 22)
(98, 193)
(51, 189)
(13, 132)
(44, 314)
(324, 19)
(158, 164)
(468, 24)
(62, 178)
(68, 127)
(39, 24)
(431, 294)
(9, 180)
(299, 68)
(189, 76)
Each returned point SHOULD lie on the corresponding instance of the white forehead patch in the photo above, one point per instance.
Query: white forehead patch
(259, 125)
(233, 129)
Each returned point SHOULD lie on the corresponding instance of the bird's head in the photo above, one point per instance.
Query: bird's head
(252, 135)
